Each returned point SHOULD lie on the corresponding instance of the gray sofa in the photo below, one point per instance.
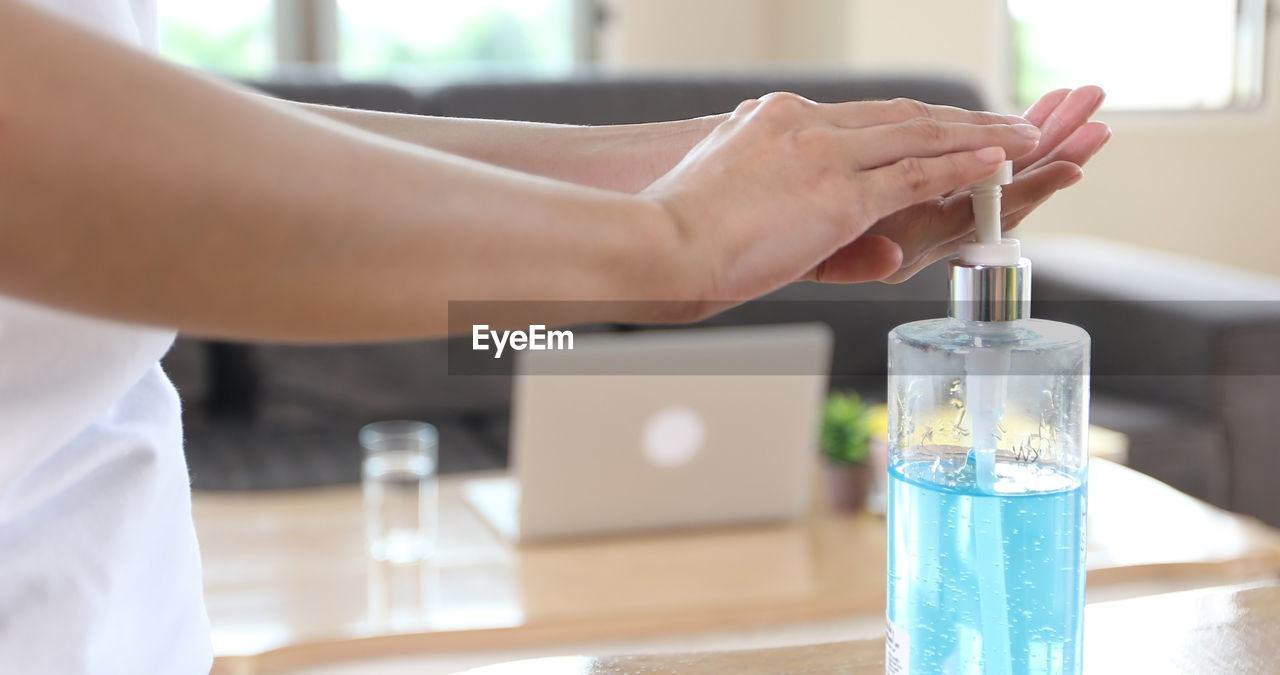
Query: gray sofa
(1193, 384)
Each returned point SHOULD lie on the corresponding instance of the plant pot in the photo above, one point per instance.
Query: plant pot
(847, 486)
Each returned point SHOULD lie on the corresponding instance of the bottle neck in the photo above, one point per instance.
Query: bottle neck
(989, 293)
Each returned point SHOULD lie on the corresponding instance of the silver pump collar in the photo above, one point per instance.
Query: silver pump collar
(990, 292)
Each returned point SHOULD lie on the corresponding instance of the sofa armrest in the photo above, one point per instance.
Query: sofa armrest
(1199, 337)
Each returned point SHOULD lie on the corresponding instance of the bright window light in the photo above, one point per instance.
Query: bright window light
(234, 37)
(1147, 54)
(398, 38)
(374, 39)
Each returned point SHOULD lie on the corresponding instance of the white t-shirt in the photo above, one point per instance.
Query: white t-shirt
(99, 568)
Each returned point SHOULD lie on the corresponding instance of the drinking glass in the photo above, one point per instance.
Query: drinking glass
(399, 482)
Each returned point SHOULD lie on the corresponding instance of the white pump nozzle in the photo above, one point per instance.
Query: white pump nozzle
(988, 248)
(986, 203)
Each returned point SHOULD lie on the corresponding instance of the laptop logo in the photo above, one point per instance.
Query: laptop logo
(673, 436)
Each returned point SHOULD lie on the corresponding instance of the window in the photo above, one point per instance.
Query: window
(233, 37)
(376, 39)
(1147, 54)
(380, 38)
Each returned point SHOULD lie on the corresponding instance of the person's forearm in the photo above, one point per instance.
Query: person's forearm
(135, 190)
(625, 158)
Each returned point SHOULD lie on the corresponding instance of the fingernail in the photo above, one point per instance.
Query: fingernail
(1030, 131)
(993, 155)
(1073, 180)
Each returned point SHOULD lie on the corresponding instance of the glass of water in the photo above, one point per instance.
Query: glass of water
(399, 481)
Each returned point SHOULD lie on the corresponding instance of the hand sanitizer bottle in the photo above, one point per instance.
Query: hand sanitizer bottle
(988, 416)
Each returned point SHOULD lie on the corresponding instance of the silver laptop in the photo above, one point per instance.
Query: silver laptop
(661, 429)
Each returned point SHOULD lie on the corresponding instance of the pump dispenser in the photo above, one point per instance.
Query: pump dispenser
(990, 280)
(988, 414)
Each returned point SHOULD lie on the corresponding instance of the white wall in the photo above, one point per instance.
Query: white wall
(727, 33)
(1195, 183)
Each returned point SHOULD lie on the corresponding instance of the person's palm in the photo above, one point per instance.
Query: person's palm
(905, 242)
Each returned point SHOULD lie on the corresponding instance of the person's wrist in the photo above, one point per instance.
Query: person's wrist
(671, 141)
(629, 158)
(658, 276)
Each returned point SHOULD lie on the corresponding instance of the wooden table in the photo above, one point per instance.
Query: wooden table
(1204, 632)
(288, 582)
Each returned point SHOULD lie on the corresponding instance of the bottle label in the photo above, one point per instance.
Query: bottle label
(897, 649)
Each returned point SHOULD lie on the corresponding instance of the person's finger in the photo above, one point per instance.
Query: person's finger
(1033, 185)
(1079, 147)
(950, 222)
(920, 227)
(867, 258)
(954, 224)
(915, 179)
(885, 144)
(1063, 121)
(921, 230)
(1030, 189)
(1050, 179)
(1039, 111)
(858, 114)
(938, 253)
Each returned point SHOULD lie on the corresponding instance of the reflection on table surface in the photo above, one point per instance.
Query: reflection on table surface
(1203, 632)
(287, 571)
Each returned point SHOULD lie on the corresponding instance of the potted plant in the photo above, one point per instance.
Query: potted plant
(846, 445)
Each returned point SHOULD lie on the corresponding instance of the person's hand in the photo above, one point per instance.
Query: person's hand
(931, 230)
(784, 183)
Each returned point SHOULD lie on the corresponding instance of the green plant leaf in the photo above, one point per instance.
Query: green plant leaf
(845, 436)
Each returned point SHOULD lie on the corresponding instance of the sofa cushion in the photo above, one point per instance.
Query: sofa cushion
(629, 99)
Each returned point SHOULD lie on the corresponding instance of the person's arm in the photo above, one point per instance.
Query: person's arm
(626, 158)
(629, 158)
(136, 190)
(133, 189)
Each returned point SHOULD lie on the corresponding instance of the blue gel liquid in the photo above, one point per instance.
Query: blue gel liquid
(937, 515)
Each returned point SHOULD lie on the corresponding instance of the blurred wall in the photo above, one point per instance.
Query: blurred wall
(727, 33)
(1193, 183)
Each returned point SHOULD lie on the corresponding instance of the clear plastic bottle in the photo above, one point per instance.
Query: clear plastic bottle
(988, 416)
